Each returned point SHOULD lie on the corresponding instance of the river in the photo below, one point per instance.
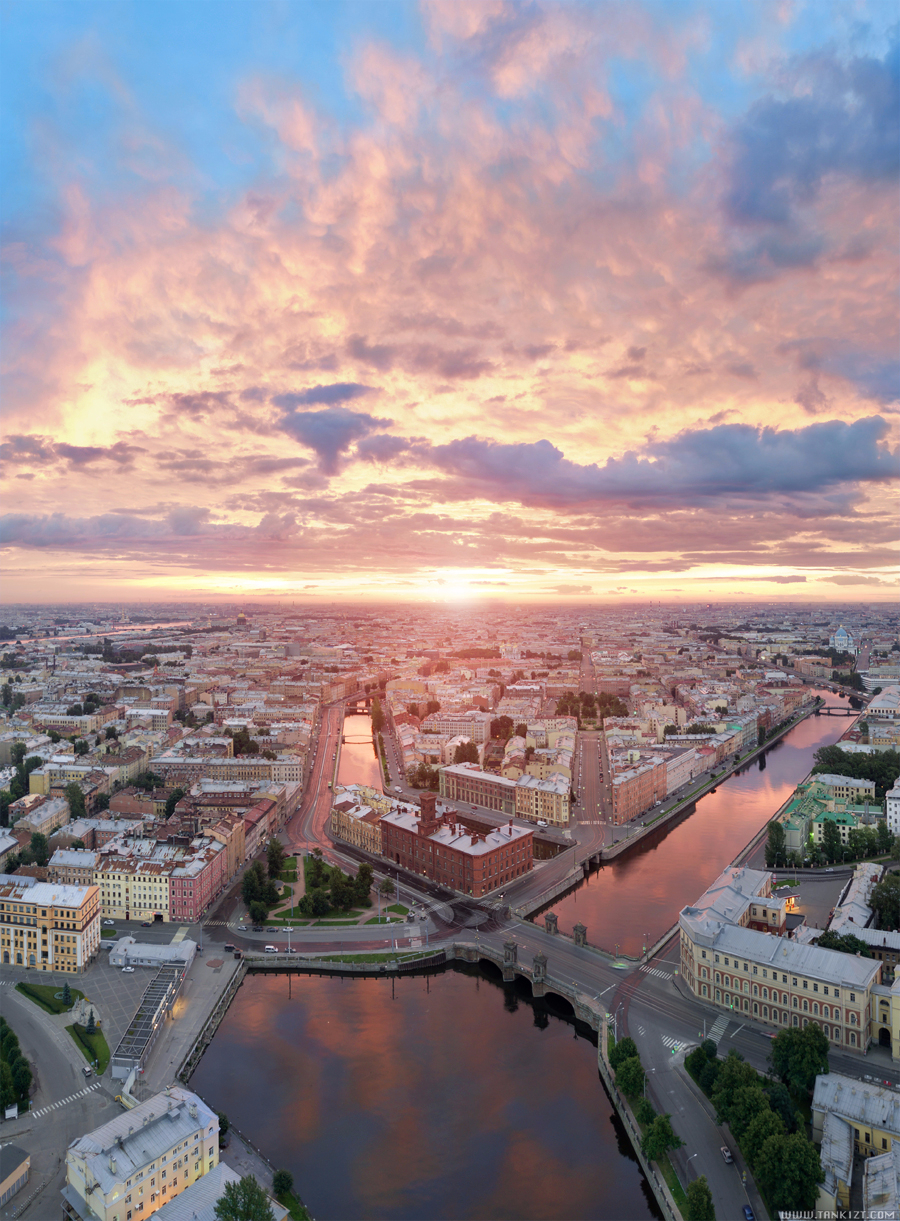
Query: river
(448, 1095)
(441, 1096)
(638, 897)
(359, 762)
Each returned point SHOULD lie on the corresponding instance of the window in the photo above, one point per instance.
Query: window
(852, 996)
(815, 987)
(793, 983)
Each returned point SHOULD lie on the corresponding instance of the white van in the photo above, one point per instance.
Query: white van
(270, 949)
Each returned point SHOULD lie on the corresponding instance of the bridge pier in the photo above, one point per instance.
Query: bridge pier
(551, 923)
(539, 974)
(580, 934)
(510, 960)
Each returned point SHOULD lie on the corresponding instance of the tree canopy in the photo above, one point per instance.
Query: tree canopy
(244, 1201)
(798, 1056)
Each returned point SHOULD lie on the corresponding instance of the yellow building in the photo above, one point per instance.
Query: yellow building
(131, 1166)
(48, 925)
(134, 889)
(850, 1117)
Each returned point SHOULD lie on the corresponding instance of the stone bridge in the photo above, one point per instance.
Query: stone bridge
(543, 983)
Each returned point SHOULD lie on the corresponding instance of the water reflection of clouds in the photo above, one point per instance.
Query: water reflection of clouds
(441, 1103)
(643, 892)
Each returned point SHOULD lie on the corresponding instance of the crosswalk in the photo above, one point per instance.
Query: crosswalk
(54, 1106)
(216, 924)
(719, 1026)
(655, 971)
(674, 1044)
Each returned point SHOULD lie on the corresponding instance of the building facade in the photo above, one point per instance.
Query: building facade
(129, 1167)
(472, 862)
(49, 925)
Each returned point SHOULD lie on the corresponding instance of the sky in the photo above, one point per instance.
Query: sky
(450, 301)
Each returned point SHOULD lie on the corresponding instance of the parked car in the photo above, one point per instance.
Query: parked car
(749, 1214)
(109, 923)
(242, 928)
(726, 1153)
(128, 970)
(87, 1070)
(146, 924)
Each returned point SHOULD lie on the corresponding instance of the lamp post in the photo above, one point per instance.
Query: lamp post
(690, 1159)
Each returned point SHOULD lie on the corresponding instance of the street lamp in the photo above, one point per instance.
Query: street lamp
(690, 1159)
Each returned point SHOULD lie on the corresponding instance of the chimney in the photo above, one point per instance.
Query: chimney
(192, 1110)
(112, 1165)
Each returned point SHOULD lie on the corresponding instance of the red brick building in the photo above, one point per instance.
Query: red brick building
(472, 862)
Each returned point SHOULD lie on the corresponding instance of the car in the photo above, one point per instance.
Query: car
(258, 928)
(242, 928)
(109, 923)
(726, 1154)
(749, 1214)
(146, 924)
(87, 1070)
(128, 970)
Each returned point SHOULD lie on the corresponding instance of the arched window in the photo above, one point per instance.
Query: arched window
(816, 1008)
(704, 990)
(755, 1007)
(795, 1002)
(852, 1039)
(805, 1005)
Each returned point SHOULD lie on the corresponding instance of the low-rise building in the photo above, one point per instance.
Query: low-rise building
(130, 1166)
(544, 800)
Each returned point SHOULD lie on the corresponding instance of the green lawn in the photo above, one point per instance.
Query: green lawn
(382, 920)
(45, 996)
(399, 909)
(93, 1046)
(108, 932)
(288, 1200)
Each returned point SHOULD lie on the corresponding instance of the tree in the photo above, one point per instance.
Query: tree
(845, 943)
(275, 857)
(67, 995)
(748, 1102)
(799, 1056)
(172, 801)
(831, 839)
(283, 1182)
(788, 1171)
(81, 747)
(781, 1104)
(21, 1076)
(386, 887)
(623, 1050)
(700, 1201)
(885, 838)
(39, 848)
(775, 843)
(763, 1125)
(644, 1112)
(630, 1076)
(244, 1201)
(734, 1072)
(6, 799)
(362, 883)
(78, 845)
(7, 1088)
(660, 1138)
(466, 752)
(885, 900)
(259, 911)
(18, 753)
(432, 706)
(377, 714)
(75, 798)
(91, 1027)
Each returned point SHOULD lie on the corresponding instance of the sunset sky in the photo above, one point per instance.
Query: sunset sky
(450, 300)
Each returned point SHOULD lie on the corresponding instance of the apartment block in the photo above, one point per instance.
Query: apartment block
(141, 1159)
(48, 925)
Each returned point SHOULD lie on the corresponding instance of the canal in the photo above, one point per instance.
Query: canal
(634, 900)
(359, 762)
(442, 1096)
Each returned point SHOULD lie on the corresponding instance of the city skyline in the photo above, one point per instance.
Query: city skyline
(450, 302)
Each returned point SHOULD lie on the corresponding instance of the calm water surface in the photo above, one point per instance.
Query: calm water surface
(641, 895)
(359, 762)
(447, 1096)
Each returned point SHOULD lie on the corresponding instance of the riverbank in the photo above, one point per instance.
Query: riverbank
(630, 842)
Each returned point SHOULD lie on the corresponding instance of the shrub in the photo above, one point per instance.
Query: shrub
(644, 1112)
(625, 1049)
